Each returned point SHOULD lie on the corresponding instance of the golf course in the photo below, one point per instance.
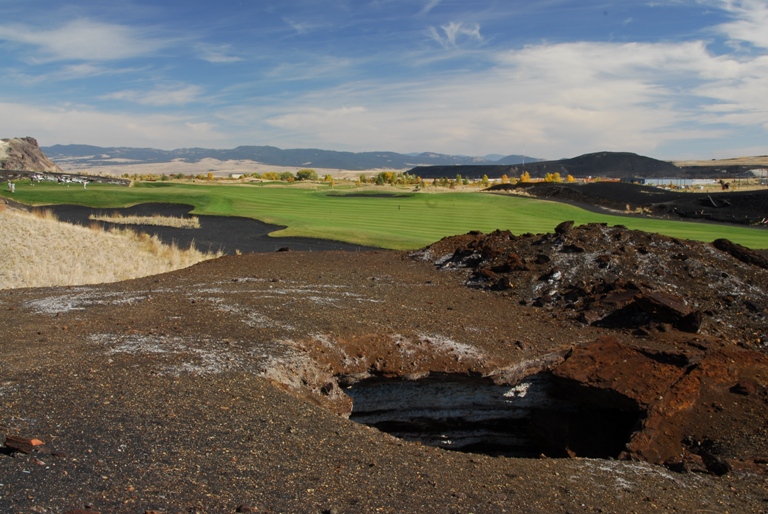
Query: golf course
(385, 217)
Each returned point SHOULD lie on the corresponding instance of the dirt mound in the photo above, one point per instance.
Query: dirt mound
(619, 278)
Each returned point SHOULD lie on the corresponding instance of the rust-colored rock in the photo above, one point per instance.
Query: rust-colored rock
(21, 444)
(608, 365)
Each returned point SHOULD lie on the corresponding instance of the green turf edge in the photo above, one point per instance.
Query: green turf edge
(403, 222)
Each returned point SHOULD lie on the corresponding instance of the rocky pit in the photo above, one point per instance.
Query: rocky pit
(535, 417)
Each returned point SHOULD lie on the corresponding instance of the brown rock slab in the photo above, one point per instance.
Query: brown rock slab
(608, 364)
(21, 444)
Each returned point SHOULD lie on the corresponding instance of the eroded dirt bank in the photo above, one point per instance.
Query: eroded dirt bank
(591, 370)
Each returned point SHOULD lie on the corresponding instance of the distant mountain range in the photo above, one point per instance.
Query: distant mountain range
(270, 155)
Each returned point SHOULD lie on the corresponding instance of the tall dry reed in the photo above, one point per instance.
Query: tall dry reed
(155, 220)
(37, 250)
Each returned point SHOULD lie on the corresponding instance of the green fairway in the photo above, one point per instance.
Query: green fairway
(386, 218)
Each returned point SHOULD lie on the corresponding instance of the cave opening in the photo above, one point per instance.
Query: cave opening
(538, 416)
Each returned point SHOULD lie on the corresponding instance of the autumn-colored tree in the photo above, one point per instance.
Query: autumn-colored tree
(504, 179)
(485, 182)
(306, 175)
(524, 177)
(570, 178)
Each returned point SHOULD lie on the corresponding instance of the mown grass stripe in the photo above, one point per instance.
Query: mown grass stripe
(403, 222)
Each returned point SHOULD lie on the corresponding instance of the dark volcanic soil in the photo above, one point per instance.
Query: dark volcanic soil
(629, 370)
(228, 234)
(593, 369)
(738, 207)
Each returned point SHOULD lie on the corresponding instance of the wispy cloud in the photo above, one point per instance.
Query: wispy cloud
(68, 72)
(551, 97)
(162, 96)
(302, 27)
(750, 19)
(322, 66)
(218, 54)
(314, 116)
(82, 39)
(431, 4)
(453, 34)
(80, 123)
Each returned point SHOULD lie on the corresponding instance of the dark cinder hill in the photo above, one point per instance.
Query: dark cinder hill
(610, 164)
(599, 164)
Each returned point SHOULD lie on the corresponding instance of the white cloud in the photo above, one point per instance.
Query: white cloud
(454, 33)
(218, 54)
(161, 96)
(66, 73)
(555, 100)
(749, 23)
(302, 27)
(83, 125)
(316, 117)
(431, 4)
(322, 66)
(83, 39)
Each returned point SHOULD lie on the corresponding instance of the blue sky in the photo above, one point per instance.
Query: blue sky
(671, 79)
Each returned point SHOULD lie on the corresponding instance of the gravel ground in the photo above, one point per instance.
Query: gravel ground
(202, 391)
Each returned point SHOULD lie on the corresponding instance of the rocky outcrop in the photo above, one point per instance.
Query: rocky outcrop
(683, 400)
(622, 279)
(24, 154)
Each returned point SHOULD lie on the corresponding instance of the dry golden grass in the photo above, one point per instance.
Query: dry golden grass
(757, 161)
(155, 220)
(40, 251)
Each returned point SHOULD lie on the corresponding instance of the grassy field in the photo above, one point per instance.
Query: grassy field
(368, 216)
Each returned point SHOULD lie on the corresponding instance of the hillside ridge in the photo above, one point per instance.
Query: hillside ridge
(24, 154)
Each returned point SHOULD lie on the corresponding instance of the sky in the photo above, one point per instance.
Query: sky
(670, 79)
